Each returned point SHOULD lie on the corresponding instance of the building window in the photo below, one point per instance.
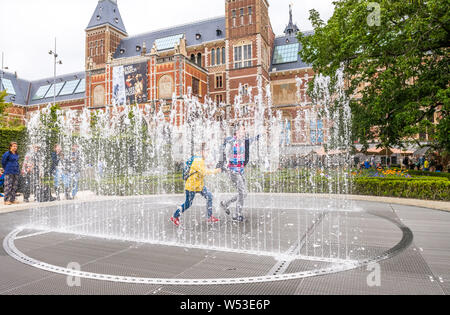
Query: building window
(244, 90)
(218, 56)
(213, 57)
(219, 82)
(223, 55)
(195, 86)
(234, 18)
(247, 55)
(199, 59)
(250, 12)
(316, 132)
(219, 98)
(242, 16)
(243, 60)
(193, 58)
(286, 133)
(238, 57)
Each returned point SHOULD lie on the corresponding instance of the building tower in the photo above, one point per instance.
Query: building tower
(291, 29)
(103, 35)
(249, 42)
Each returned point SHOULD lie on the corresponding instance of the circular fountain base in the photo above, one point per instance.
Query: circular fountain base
(311, 246)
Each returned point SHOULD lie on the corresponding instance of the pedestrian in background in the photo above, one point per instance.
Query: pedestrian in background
(2, 180)
(56, 170)
(10, 163)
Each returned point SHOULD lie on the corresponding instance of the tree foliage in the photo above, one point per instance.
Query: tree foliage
(397, 72)
(3, 106)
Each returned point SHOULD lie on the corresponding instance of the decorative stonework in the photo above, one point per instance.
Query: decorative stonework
(165, 87)
(99, 96)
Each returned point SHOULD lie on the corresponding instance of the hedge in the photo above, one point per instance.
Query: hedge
(427, 178)
(427, 188)
(433, 174)
(18, 135)
(417, 189)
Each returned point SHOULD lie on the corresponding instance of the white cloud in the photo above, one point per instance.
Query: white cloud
(28, 27)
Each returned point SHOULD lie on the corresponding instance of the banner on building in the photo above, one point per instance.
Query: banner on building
(119, 96)
(130, 82)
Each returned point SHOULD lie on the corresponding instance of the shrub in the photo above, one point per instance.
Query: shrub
(418, 189)
(433, 174)
(18, 135)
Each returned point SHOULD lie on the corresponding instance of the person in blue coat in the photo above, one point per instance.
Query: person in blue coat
(10, 163)
(2, 179)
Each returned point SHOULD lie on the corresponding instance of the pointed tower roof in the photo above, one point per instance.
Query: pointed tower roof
(107, 12)
(291, 28)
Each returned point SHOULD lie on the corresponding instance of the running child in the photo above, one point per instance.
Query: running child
(237, 155)
(194, 174)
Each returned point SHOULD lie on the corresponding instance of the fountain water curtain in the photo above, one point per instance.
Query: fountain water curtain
(137, 153)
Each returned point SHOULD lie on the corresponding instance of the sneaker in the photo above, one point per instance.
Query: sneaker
(213, 219)
(175, 221)
(225, 208)
(238, 218)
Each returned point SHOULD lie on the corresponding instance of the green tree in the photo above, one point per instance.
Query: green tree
(3, 106)
(395, 56)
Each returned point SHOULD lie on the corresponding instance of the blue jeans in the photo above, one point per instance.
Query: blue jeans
(71, 182)
(58, 178)
(190, 195)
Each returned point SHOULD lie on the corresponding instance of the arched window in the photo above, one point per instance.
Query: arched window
(223, 55)
(199, 59)
(213, 57)
(193, 58)
(218, 56)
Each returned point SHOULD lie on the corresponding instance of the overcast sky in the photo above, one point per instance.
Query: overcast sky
(28, 27)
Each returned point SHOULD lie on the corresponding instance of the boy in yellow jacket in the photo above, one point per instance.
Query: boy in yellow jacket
(195, 184)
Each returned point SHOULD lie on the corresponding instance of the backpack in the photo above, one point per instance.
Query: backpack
(187, 168)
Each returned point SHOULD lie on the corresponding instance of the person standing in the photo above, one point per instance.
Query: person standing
(372, 162)
(26, 178)
(426, 166)
(10, 162)
(406, 162)
(2, 180)
(195, 174)
(56, 170)
(237, 153)
(72, 173)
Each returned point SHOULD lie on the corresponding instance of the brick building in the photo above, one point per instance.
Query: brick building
(215, 59)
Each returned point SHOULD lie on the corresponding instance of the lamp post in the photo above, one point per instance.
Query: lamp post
(2, 72)
(59, 62)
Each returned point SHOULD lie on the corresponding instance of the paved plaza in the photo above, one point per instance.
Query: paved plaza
(412, 244)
